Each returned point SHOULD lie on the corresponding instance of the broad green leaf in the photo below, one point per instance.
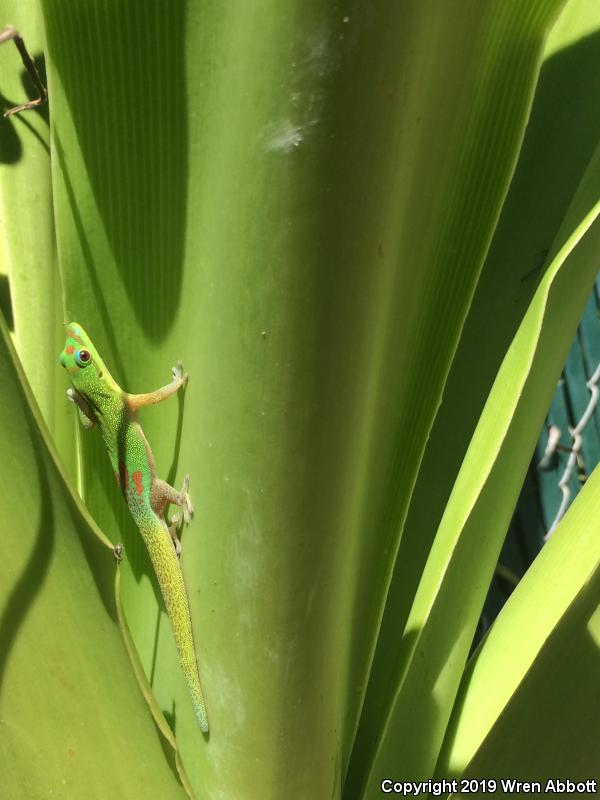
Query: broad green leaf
(30, 285)
(451, 592)
(294, 202)
(300, 351)
(74, 723)
(562, 133)
(528, 705)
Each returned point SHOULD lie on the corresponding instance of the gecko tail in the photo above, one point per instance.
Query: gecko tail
(193, 682)
(172, 587)
(201, 714)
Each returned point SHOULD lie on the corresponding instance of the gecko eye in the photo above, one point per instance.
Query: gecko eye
(83, 357)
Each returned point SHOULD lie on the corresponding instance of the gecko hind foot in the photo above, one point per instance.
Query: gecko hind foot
(173, 533)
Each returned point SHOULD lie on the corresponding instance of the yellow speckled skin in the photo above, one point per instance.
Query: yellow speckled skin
(100, 400)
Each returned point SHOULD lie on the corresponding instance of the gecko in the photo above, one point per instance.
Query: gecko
(101, 401)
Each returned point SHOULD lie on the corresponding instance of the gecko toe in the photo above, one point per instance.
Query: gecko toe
(188, 509)
(185, 501)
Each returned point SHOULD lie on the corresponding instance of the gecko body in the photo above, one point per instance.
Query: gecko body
(101, 401)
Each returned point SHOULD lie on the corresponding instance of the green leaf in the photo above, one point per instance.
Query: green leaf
(297, 202)
(30, 283)
(203, 217)
(562, 133)
(458, 572)
(529, 706)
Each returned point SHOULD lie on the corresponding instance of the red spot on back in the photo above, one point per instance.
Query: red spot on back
(137, 479)
(70, 350)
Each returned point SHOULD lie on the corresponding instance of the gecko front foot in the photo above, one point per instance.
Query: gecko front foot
(179, 376)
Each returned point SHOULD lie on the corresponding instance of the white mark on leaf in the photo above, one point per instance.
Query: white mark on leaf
(285, 138)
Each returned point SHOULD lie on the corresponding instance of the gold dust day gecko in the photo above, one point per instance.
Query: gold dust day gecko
(101, 401)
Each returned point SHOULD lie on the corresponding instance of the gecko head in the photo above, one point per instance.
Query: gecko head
(81, 360)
